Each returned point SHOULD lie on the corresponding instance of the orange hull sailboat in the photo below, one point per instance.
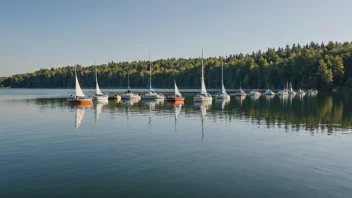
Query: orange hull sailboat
(177, 97)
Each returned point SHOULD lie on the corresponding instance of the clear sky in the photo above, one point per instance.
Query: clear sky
(44, 33)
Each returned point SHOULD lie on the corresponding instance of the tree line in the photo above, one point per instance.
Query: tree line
(321, 66)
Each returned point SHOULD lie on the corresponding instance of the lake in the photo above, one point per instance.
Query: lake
(247, 147)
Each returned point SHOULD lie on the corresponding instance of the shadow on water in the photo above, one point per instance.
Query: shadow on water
(324, 112)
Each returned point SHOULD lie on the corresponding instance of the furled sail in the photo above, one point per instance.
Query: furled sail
(203, 91)
(223, 90)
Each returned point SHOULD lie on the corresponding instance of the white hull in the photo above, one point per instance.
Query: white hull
(101, 98)
(256, 94)
(73, 99)
(269, 93)
(201, 99)
(222, 97)
(129, 96)
(282, 93)
(152, 97)
(239, 94)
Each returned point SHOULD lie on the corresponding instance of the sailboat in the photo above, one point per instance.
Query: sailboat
(79, 98)
(223, 95)
(291, 91)
(177, 97)
(130, 94)
(240, 92)
(312, 92)
(284, 91)
(151, 94)
(255, 92)
(204, 95)
(301, 92)
(268, 92)
(99, 96)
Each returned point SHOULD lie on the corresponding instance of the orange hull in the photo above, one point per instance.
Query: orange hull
(177, 102)
(87, 103)
(177, 99)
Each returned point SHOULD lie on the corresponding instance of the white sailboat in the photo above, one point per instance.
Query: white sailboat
(255, 92)
(130, 94)
(240, 92)
(301, 92)
(291, 91)
(268, 92)
(204, 95)
(312, 92)
(151, 94)
(284, 91)
(222, 95)
(99, 96)
(79, 98)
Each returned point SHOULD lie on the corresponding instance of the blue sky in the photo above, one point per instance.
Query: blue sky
(41, 34)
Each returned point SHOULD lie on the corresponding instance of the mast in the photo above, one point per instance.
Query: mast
(222, 73)
(96, 74)
(150, 73)
(202, 67)
(128, 80)
(203, 89)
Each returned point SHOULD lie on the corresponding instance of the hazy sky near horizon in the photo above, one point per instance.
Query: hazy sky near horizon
(42, 34)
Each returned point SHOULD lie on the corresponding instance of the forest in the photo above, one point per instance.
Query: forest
(314, 65)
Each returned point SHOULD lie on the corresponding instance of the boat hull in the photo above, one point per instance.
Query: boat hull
(83, 102)
(114, 97)
(255, 94)
(222, 97)
(201, 99)
(130, 96)
(152, 97)
(176, 99)
(101, 98)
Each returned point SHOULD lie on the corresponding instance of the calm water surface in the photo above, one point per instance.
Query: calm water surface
(248, 147)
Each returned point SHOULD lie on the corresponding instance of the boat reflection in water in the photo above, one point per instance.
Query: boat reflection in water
(325, 112)
(80, 110)
(203, 106)
(240, 99)
(131, 101)
(269, 97)
(177, 109)
(151, 105)
(98, 108)
(222, 103)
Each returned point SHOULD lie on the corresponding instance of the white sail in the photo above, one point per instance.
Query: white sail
(223, 90)
(79, 91)
(177, 92)
(97, 89)
(79, 116)
(203, 89)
